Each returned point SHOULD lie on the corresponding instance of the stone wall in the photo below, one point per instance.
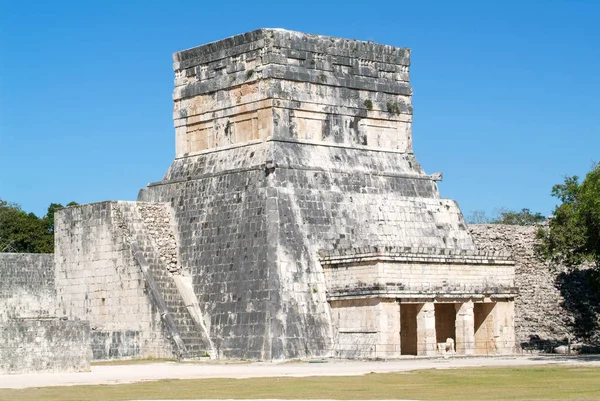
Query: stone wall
(27, 285)
(44, 345)
(553, 302)
(32, 339)
(98, 280)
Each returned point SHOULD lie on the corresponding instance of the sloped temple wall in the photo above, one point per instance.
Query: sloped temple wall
(222, 223)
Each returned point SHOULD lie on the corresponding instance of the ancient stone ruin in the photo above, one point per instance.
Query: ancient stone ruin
(295, 221)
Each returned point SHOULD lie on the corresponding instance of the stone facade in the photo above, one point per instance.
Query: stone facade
(419, 298)
(294, 222)
(113, 269)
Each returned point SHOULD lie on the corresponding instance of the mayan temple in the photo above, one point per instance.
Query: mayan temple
(294, 222)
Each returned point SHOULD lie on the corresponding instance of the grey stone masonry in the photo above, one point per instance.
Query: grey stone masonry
(149, 226)
(294, 195)
(294, 222)
(411, 273)
(44, 345)
(27, 285)
(158, 223)
(554, 302)
(32, 338)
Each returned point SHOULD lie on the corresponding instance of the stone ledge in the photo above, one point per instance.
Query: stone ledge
(481, 294)
(274, 38)
(414, 254)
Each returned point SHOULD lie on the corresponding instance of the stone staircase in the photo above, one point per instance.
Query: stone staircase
(150, 226)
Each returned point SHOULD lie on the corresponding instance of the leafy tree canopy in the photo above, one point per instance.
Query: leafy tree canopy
(25, 232)
(573, 235)
(522, 218)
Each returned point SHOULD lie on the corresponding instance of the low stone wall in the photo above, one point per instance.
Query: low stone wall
(26, 285)
(553, 302)
(44, 345)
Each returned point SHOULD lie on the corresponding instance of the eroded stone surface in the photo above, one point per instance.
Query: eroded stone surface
(553, 303)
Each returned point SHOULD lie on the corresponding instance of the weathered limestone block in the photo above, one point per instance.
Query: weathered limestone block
(388, 345)
(359, 327)
(367, 328)
(260, 86)
(32, 338)
(417, 273)
(504, 329)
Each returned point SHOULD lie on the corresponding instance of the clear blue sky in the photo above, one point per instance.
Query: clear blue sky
(506, 93)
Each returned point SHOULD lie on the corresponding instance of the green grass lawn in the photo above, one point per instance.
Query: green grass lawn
(518, 383)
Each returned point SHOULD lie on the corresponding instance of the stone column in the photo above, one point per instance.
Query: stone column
(504, 327)
(388, 341)
(426, 340)
(465, 329)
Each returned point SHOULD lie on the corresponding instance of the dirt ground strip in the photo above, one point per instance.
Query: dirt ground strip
(145, 371)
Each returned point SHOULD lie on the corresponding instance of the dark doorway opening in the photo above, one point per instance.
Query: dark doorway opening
(445, 322)
(408, 328)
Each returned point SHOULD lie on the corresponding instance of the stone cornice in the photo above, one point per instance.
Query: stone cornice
(414, 255)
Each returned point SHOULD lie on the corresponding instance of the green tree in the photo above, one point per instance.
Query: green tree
(573, 234)
(522, 218)
(510, 217)
(25, 232)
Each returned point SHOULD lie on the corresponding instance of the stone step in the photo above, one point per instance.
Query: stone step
(160, 252)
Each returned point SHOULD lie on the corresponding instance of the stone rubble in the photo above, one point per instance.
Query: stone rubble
(542, 312)
(158, 223)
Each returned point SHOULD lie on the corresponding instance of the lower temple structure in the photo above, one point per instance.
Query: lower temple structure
(420, 302)
(294, 222)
